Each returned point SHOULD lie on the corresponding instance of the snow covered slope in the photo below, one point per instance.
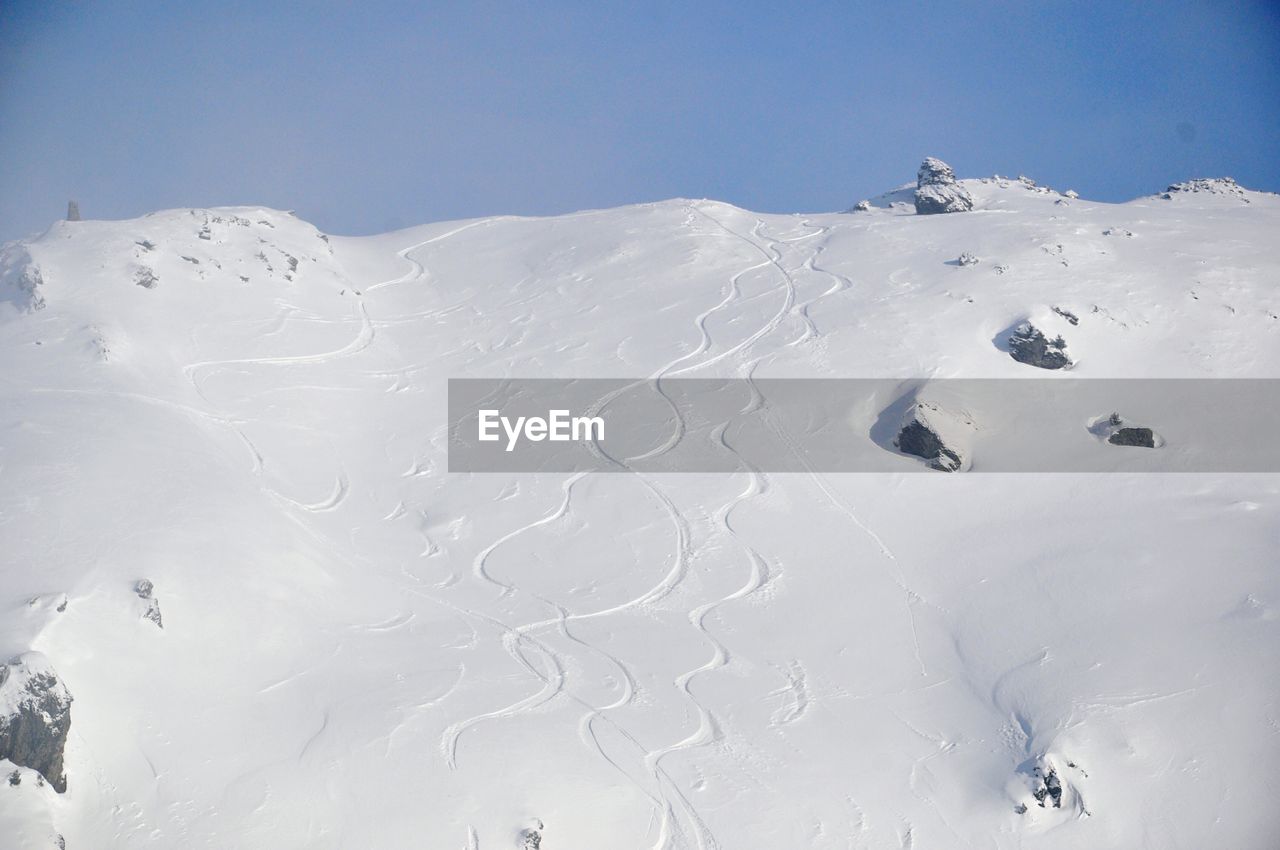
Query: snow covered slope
(227, 526)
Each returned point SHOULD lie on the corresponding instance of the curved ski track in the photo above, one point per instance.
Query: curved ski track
(680, 821)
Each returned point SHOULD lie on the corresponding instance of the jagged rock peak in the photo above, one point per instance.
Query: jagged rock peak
(935, 172)
(35, 717)
(937, 190)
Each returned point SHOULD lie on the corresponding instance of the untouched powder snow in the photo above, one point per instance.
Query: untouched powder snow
(359, 649)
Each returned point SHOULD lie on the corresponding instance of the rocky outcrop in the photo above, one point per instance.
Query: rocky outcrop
(934, 435)
(1224, 186)
(1053, 783)
(1114, 431)
(937, 190)
(1028, 344)
(146, 592)
(531, 837)
(919, 440)
(1048, 787)
(1071, 318)
(1143, 437)
(35, 717)
(20, 279)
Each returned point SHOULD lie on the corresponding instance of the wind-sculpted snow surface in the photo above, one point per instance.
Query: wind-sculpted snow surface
(360, 649)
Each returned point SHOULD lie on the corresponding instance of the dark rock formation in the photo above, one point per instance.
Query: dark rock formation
(1068, 315)
(35, 717)
(1114, 431)
(1048, 788)
(1144, 437)
(935, 435)
(1028, 344)
(967, 259)
(937, 190)
(919, 440)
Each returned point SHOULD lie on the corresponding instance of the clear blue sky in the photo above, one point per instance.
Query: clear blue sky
(367, 119)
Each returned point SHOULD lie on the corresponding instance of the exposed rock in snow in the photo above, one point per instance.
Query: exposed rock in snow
(1048, 787)
(1028, 344)
(35, 717)
(20, 279)
(861, 206)
(1071, 317)
(1113, 430)
(967, 259)
(145, 590)
(531, 838)
(917, 439)
(73, 211)
(55, 602)
(1053, 784)
(937, 190)
(146, 278)
(1224, 186)
(935, 434)
(1143, 437)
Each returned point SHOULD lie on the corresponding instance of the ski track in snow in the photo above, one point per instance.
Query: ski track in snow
(678, 816)
(679, 820)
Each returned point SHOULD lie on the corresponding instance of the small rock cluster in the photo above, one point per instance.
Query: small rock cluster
(1211, 186)
(531, 838)
(146, 590)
